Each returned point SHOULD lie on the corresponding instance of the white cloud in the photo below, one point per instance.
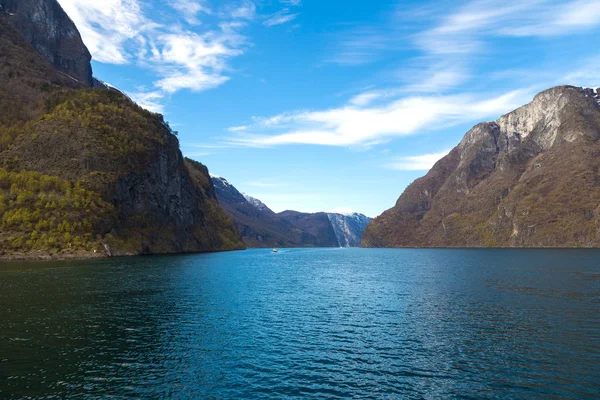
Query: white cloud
(245, 9)
(417, 163)
(362, 45)
(435, 78)
(280, 17)
(465, 31)
(149, 100)
(364, 99)
(189, 9)
(107, 26)
(192, 61)
(355, 126)
(240, 128)
(118, 32)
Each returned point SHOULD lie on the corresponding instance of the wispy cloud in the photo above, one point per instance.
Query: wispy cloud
(119, 32)
(240, 128)
(191, 61)
(363, 45)
(353, 125)
(149, 100)
(190, 9)
(466, 30)
(462, 31)
(244, 9)
(280, 17)
(431, 92)
(107, 26)
(422, 162)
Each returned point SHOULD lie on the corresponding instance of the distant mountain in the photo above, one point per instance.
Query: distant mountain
(261, 227)
(349, 228)
(316, 225)
(86, 172)
(529, 179)
(257, 203)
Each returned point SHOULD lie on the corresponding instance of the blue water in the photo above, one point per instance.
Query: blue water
(316, 323)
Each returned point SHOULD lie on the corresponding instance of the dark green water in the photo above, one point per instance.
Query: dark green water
(322, 323)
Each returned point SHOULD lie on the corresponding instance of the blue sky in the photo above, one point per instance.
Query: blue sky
(317, 105)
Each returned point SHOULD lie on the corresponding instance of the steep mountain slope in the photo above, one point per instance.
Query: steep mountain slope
(258, 225)
(531, 179)
(87, 172)
(261, 227)
(52, 34)
(349, 228)
(316, 225)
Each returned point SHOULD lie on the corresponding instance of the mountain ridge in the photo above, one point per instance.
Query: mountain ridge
(261, 227)
(528, 179)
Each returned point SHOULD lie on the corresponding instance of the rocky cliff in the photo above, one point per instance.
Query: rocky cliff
(261, 227)
(312, 225)
(52, 34)
(348, 228)
(529, 179)
(87, 172)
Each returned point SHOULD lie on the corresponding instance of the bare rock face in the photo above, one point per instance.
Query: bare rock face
(528, 179)
(52, 34)
(348, 228)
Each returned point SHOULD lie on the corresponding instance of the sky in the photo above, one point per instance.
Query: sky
(316, 105)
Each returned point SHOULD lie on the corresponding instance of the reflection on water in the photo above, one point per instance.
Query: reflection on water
(320, 323)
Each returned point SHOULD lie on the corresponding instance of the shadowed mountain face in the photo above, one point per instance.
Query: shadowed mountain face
(529, 179)
(349, 228)
(87, 172)
(52, 34)
(261, 227)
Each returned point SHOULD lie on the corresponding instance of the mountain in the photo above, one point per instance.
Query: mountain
(52, 34)
(349, 228)
(261, 227)
(257, 224)
(529, 179)
(316, 225)
(86, 172)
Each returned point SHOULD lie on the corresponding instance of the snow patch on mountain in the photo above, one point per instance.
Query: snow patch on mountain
(220, 180)
(256, 203)
(593, 93)
(348, 228)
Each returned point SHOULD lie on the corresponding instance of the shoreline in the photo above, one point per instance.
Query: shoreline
(86, 256)
(91, 256)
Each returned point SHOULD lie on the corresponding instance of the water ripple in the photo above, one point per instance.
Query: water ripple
(422, 324)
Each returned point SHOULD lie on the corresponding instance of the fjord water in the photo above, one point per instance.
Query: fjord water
(312, 323)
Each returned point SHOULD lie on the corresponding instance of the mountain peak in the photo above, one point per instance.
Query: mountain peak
(593, 93)
(45, 25)
(259, 205)
(526, 179)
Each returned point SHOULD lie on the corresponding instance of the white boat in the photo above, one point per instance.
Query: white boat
(275, 251)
